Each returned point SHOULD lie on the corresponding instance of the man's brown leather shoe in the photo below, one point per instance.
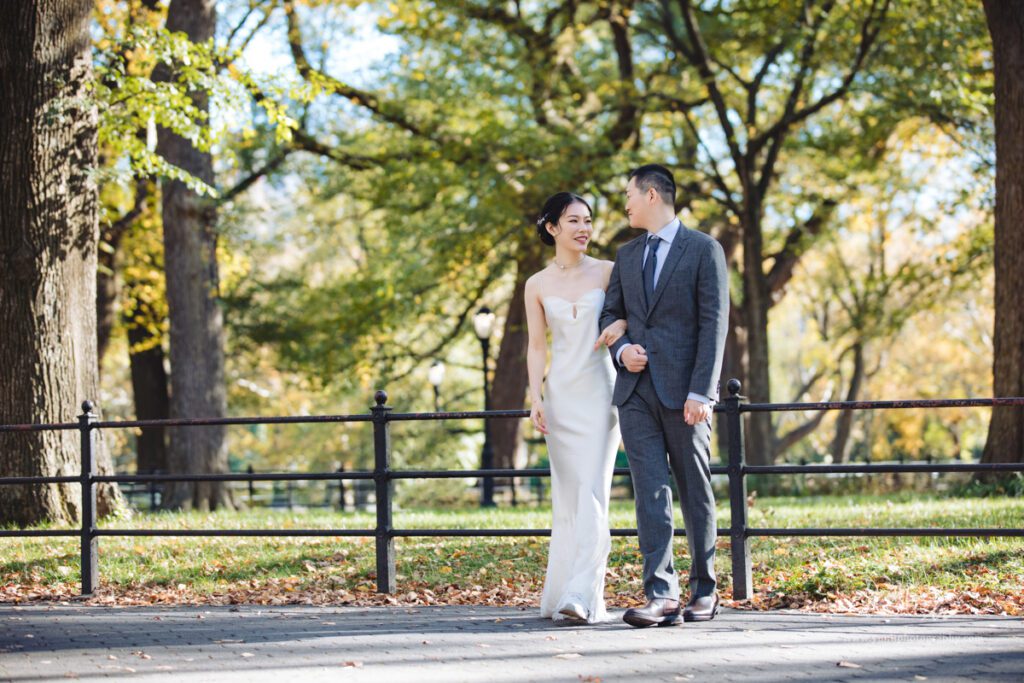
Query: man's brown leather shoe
(701, 609)
(658, 611)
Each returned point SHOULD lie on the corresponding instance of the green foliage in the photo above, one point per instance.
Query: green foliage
(1010, 485)
(131, 101)
(362, 259)
(146, 79)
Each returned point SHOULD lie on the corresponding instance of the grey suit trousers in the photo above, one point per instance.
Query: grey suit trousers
(650, 431)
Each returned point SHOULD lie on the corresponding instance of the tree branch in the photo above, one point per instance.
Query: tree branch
(803, 70)
(796, 244)
(755, 85)
(360, 97)
(716, 175)
(793, 436)
(627, 121)
(699, 59)
(776, 134)
(275, 160)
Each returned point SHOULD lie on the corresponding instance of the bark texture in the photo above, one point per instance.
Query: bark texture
(196, 320)
(1006, 430)
(510, 376)
(48, 240)
(149, 387)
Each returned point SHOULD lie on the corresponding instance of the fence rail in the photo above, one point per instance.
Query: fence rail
(384, 532)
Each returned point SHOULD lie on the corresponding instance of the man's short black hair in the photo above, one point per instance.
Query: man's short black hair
(658, 177)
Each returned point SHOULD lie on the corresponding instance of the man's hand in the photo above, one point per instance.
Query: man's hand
(634, 357)
(694, 411)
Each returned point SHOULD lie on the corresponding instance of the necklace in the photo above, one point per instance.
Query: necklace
(570, 266)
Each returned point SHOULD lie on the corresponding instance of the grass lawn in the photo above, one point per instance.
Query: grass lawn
(882, 575)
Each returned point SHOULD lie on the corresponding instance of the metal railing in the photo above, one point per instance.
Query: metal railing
(382, 475)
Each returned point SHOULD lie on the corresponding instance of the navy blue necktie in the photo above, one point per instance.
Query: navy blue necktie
(650, 265)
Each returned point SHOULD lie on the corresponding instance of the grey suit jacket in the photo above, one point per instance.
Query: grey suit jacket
(684, 328)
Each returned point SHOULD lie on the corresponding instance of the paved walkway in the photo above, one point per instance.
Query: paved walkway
(253, 644)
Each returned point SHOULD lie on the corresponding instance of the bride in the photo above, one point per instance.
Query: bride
(575, 413)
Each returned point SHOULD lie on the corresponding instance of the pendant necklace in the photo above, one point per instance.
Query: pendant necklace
(571, 266)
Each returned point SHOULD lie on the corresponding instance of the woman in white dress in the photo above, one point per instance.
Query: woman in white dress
(574, 410)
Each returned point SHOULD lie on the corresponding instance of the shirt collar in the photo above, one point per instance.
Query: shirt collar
(668, 232)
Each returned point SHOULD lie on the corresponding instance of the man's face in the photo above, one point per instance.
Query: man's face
(637, 205)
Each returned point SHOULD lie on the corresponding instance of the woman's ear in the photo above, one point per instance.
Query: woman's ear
(551, 228)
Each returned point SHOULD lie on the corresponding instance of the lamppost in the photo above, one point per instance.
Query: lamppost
(483, 323)
(436, 375)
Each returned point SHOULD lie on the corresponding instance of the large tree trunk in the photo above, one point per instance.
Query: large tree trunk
(149, 386)
(144, 318)
(48, 238)
(844, 422)
(197, 329)
(107, 291)
(756, 302)
(510, 377)
(733, 364)
(1006, 430)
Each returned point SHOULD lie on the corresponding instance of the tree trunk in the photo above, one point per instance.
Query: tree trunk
(1006, 430)
(197, 328)
(149, 386)
(733, 363)
(510, 377)
(844, 423)
(756, 302)
(107, 290)
(48, 238)
(108, 286)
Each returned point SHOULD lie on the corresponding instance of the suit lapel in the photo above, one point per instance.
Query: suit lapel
(675, 253)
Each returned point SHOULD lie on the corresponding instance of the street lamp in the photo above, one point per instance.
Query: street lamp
(436, 375)
(483, 323)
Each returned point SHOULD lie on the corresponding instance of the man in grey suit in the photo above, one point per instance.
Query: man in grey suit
(671, 286)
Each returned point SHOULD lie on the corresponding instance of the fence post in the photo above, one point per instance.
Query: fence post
(382, 479)
(742, 580)
(89, 568)
(341, 490)
(152, 491)
(252, 488)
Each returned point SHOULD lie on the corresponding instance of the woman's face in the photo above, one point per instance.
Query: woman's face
(574, 228)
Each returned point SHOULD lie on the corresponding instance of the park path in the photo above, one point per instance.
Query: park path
(423, 644)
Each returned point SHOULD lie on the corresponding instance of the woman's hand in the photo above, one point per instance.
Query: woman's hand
(611, 334)
(537, 418)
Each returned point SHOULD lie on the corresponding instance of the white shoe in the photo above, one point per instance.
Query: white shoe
(574, 611)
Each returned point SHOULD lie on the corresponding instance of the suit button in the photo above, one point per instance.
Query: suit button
(647, 326)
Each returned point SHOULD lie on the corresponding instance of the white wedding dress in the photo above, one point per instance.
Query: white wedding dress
(582, 441)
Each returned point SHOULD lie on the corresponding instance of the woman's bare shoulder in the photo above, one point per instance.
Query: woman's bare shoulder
(535, 283)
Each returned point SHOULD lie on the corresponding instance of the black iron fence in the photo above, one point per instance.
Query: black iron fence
(381, 416)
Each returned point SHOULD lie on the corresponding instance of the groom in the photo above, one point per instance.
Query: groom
(671, 286)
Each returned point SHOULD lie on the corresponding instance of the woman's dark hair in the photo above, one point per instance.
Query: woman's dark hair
(554, 207)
